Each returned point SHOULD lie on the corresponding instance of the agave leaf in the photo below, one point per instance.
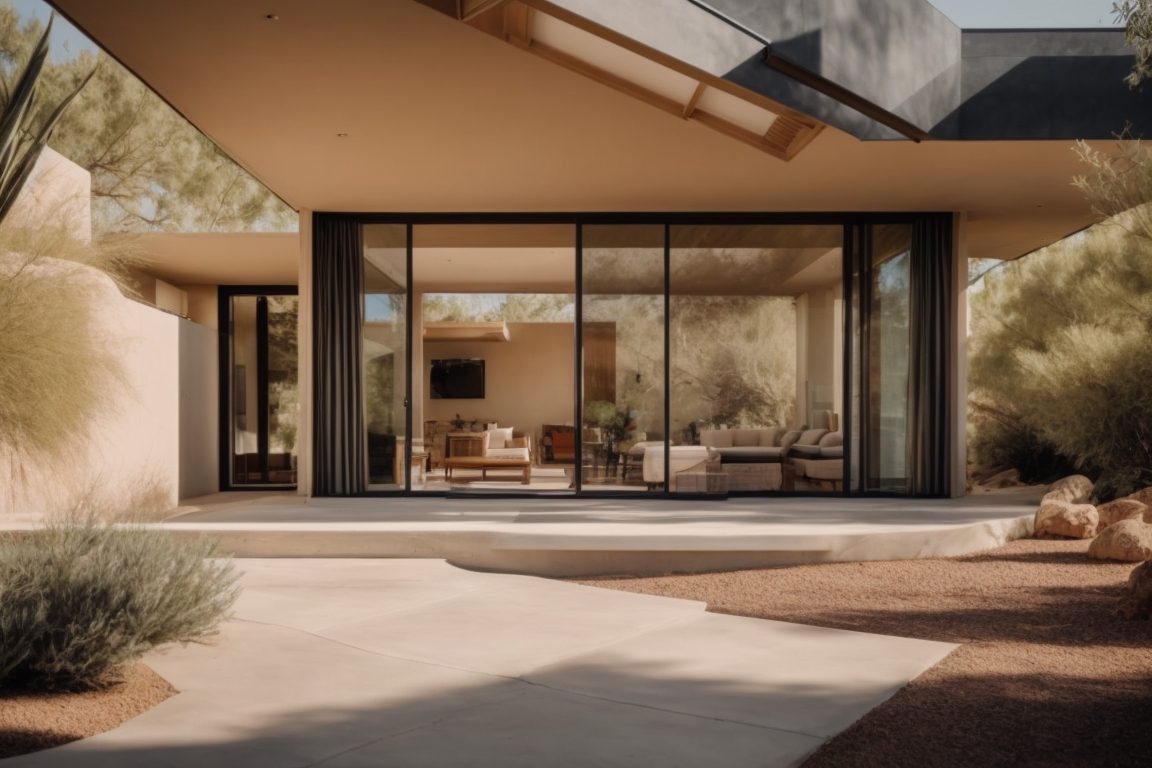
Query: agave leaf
(19, 147)
(19, 105)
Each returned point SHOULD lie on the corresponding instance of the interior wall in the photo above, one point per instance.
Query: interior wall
(528, 380)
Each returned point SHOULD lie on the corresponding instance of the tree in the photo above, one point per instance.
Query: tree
(1136, 16)
(151, 169)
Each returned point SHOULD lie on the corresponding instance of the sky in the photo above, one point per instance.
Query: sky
(1028, 13)
(67, 41)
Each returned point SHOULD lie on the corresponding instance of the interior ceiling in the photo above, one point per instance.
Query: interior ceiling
(437, 116)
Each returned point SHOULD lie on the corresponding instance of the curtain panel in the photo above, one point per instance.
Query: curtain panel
(930, 367)
(337, 317)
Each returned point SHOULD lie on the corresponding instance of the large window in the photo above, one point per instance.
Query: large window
(756, 360)
(622, 357)
(385, 343)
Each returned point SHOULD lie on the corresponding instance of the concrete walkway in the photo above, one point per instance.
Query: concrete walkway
(412, 663)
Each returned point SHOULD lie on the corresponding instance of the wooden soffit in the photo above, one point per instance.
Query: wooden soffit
(591, 49)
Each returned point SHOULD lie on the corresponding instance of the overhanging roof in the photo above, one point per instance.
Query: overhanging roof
(359, 105)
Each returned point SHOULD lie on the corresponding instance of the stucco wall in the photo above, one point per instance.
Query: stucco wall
(157, 443)
(199, 469)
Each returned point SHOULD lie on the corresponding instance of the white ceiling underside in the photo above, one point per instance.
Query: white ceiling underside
(443, 117)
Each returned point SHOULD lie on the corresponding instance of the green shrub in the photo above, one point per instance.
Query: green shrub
(1060, 354)
(78, 602)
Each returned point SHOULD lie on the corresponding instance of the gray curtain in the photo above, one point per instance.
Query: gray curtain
(337, 416)
(929, 375)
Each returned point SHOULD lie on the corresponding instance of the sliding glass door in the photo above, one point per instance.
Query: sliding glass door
(384, 344)
(259, 393)
(622, 358)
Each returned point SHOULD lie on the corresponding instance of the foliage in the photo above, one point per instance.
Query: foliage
(151, 169)
(613, 422)
(56, 372)
(79, 601)
(1136, 16)
(509, 307)
(23, 134)
(1060, 354)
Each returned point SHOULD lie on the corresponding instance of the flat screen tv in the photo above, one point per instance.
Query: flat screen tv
(459, 379)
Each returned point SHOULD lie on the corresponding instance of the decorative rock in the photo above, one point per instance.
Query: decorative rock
(1128, 540)
(1059, 518)
(1143, 496)
(1121, 509)
(1074, 489)
(1137, 603)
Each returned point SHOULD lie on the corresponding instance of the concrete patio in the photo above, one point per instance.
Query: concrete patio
(558, 536)
(351, 662)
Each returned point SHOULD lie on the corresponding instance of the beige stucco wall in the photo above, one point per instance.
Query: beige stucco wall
(157, 442)
(59, 193)
(528, 380)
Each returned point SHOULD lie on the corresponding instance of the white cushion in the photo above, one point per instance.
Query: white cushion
(769, 437)
(507, 453)
(811, 436)
(497, 438)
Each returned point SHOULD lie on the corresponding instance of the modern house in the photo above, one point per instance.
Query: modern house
(664, 246)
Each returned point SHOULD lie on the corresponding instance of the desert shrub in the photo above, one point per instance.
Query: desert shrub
(78, 602)
(57, 369)
(1002, 441)
(1060, 351)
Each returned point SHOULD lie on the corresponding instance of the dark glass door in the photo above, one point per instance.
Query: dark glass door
(259, 392)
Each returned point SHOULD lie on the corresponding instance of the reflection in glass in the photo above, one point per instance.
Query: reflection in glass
(622, 356)
(756, 333)
(263, 389)
(888, 356)
(384, 351)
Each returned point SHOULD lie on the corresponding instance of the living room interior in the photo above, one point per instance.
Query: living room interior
(755, 342)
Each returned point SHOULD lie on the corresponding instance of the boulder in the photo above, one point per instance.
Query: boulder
(1128, 540)
(1121, 509)
(1143, 496)
(1059, 518)
(1074, 489)
(1137, 600)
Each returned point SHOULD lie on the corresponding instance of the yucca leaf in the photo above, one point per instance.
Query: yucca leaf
(19, 147)
(10, 186)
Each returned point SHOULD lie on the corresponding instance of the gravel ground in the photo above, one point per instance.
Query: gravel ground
(34, 721)
(1046, 674)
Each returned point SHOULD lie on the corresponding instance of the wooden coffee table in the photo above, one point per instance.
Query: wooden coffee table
(484, 464)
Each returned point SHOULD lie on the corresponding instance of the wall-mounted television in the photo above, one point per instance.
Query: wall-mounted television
(458, 379)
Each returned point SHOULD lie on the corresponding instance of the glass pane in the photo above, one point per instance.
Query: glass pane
(262, 390)
(623, 357)
(244, 418)
(283, 395)
(756, 331)
(384, 350)
(887, 350)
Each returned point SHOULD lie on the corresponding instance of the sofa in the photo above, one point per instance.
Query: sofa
(504, 443)
(752, 457)
(822, 462)
(767, 458)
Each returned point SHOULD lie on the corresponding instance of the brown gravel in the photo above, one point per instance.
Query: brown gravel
(1046, 674)
(35, 721)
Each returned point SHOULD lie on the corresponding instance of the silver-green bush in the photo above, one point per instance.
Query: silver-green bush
(78, 602)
